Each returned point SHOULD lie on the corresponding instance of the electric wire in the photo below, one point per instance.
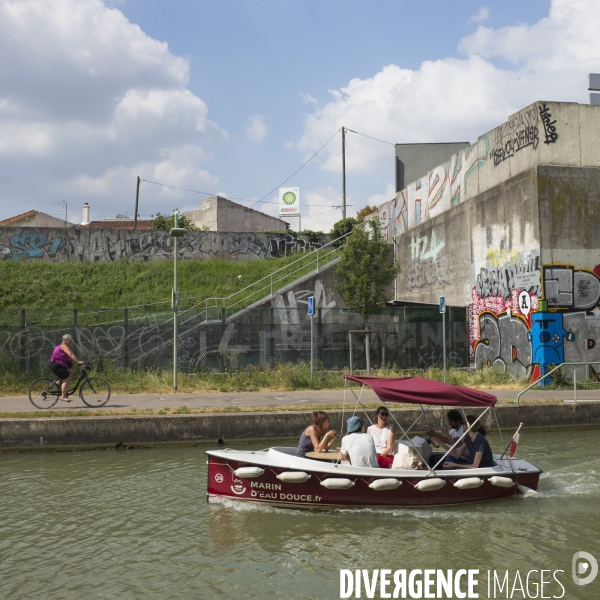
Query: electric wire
(370, 137)
(297, 170)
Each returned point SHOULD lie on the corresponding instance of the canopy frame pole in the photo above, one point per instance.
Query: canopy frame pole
(512, 468)
(359, 402)
(405, 433)
(460, 439)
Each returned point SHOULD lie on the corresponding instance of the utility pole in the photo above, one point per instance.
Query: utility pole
(137, 199)
(343, 172)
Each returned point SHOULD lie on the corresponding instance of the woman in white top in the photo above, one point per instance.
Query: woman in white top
(384, 436)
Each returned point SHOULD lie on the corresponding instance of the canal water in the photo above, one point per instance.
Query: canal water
(134, 524)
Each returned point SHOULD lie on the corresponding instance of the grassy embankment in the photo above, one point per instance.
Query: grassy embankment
(121, 284)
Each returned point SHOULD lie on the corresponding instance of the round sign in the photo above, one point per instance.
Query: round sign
(525, 303)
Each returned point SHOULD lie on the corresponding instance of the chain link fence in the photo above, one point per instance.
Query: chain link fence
(224, 340)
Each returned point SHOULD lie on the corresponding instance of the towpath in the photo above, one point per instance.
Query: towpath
(264, 399)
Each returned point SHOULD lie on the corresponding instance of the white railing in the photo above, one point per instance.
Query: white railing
(266, 286)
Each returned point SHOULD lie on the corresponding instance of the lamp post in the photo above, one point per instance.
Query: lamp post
(176, 232)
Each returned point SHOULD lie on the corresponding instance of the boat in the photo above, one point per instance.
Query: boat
(276, 477)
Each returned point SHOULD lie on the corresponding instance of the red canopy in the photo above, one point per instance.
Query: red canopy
(418, 390)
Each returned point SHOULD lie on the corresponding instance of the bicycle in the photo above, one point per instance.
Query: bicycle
(94, 392)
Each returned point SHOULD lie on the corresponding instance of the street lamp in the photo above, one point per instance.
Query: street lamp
(176, 232)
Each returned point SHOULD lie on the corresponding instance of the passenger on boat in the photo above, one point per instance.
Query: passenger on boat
(316, 437)
(478, 447)
(357, 446)
(449, 438)
(384, 436)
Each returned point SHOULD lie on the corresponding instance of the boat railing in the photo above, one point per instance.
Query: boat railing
(565, 364)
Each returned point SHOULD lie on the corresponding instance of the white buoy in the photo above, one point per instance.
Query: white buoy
(337, 484)
(468, 483)
(248, 472)
(430, 485)
(293, 477)
(498, 481)
(385, 484)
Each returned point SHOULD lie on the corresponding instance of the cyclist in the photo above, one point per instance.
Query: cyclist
(61, 365)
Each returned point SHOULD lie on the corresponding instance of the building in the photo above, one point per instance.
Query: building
(35, 218)
(509, 227)
(219, 214)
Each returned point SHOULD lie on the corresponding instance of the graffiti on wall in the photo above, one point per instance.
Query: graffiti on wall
(109, 245)
(285, 244)
(517, 337)
(519, 132)
(509, 271)
(31, 244)
(449, 184)
(550, 133)
(443, 187)
(428, 262)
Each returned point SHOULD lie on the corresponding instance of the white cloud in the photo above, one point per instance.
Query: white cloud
(308, 99)
(88, 101)
(483, 14)
(455, 99)
(256, 130)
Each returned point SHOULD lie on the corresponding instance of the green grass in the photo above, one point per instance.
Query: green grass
(281, 377)
(123, 283)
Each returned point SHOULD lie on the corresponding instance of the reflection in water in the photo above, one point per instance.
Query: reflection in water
(134, 524)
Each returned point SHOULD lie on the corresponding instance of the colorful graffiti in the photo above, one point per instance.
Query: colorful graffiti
(442, 188)
(109, 245)
(32, 244)
(526, 338)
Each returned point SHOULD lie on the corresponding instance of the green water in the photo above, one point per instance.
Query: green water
(135, 524)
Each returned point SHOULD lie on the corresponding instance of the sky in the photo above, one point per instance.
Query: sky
(232, 98)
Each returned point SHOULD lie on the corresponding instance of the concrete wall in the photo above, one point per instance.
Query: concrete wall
(220, 214)
(108, 245)
(503, 231)
(118, 431)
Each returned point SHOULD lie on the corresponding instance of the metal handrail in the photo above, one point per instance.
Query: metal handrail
(565, 364)
(268, 280)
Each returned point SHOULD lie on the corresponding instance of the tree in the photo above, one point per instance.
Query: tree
(365, 212)
(342, 227)
(164, 222)
(364, 273)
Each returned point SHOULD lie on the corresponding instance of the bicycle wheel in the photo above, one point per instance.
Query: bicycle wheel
(95, 392)
(44, 393)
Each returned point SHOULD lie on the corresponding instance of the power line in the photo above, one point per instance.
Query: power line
(193, 191)
(302, 167)
(370, 137)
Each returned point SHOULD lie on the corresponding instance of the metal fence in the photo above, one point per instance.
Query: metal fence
(223, 340)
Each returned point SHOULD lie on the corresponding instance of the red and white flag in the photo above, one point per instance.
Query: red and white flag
(515, 442)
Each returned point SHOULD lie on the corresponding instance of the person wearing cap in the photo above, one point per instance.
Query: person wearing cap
(357, 446)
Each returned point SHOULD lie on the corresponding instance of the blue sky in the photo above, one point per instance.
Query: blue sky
(232, 97)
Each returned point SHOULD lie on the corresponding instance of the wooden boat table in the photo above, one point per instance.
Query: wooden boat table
(329, 455)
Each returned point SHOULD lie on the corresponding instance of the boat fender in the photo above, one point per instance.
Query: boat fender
(526, 490)
(501, 481)
(468, 483)
(385, 484)
(293, 477)
(248, 472)
(337, 484)
(430, 485)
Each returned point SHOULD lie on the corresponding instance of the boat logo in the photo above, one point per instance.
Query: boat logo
(238, 487)
(219, 478)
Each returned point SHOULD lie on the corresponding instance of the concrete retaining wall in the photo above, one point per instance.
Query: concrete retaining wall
(90, 432)
(108, 245)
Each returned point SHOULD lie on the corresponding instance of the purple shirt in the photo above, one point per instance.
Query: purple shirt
(61, 357)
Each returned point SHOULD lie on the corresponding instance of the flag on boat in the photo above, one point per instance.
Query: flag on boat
(515, 442)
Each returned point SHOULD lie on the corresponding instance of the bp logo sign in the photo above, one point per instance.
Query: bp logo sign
(289, 198)
(289, 201)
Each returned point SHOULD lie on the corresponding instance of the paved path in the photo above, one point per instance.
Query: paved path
(250, 399)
